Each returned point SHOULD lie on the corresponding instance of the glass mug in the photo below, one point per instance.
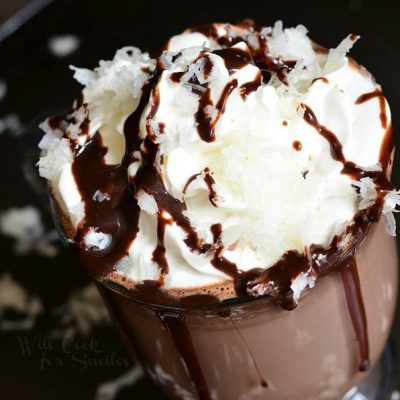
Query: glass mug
(254, 349)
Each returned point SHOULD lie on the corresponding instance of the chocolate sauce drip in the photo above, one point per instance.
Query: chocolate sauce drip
(207, 67)
(274, 282)
(175, 325)
(377, 93)
(262, 380)
(234, 58)
(321, 78)
(205, 124)
(176, 76)
(210, 182)
(189, 182)
(380, 178)
(250, 87)
(336, 146)
(269, 65)
(117, 217)
(148, 179)
(355, 305)
(258, 56)
(131, 126)
(277, 280)
(297, 145)
(55, 122)
(154, 104)
(386, 149)
(216, 230)
(159, 254)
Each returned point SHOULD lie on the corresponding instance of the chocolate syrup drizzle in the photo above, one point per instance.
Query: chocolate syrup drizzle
(175, 325)
(377, 93)
(355, 304)
(208, 180)
(119, 217)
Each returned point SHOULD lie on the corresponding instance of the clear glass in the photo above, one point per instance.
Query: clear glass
(310, 353)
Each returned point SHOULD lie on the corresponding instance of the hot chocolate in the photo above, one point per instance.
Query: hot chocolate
(231, 194)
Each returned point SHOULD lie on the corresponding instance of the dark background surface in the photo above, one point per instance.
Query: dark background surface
(39, 83)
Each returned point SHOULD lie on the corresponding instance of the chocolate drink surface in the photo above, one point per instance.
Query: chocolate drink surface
(231, 195)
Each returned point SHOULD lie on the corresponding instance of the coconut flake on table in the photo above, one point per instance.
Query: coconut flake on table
(63, 45)
(13, 296)
(109, 390)
(25, 226)
(97, 240)
(81, 313)
(11, 123)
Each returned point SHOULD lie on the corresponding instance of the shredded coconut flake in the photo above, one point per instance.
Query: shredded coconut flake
(190, 87)
(300, 283)
(147, 202)
(197, 69)
(63, 45)
(83, 310)
(101, 196)
(367, 192)
(11, 124)
(336, 56)
(166, 59)
(77, 213)
(392, 200)
(83, 75)
(16, 298)
(26, 227)
(56, 153)
(97, 240)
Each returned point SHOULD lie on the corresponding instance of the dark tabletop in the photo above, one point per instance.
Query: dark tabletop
(33, 363)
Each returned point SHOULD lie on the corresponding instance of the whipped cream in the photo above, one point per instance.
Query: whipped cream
(253, 157)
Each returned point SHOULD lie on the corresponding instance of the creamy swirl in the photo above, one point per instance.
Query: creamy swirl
(246, 149)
